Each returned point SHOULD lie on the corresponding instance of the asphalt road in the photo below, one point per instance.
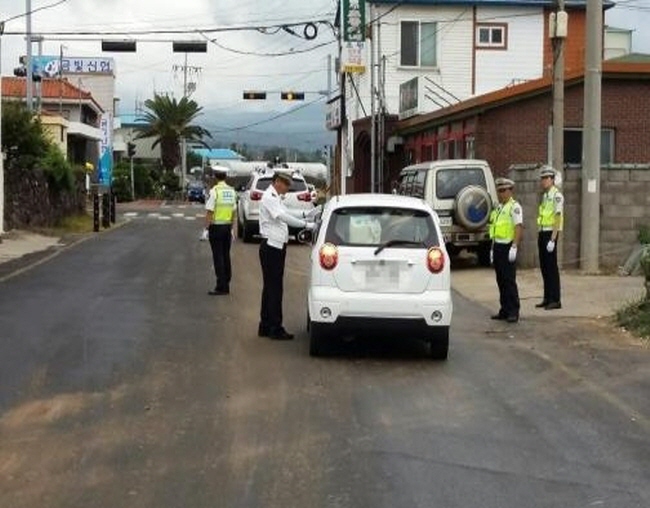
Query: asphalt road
(122, 384)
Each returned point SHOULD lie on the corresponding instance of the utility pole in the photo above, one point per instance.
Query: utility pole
(2, 154)
(559, 26)
(590, 220)
(186, 92)
(29, 84)
(373, 116)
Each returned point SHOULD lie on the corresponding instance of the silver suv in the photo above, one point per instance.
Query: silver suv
(462, 192)
(299, 197)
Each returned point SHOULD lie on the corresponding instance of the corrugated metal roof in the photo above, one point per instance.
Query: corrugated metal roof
(217, 153)
(514, 3)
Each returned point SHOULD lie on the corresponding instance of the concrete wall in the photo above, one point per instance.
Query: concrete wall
(625, 206)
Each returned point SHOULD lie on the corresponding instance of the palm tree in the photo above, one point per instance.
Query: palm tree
(169, 121)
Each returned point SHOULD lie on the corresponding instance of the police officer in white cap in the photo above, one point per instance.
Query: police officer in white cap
(506, 231)
(275, 220)
(550, 221)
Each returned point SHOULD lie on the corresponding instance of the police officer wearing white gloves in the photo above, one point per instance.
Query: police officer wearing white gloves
(506, 230)
(550, 220)
(275, 220)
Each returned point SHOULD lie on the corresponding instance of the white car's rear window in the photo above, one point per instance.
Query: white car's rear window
(374, 226)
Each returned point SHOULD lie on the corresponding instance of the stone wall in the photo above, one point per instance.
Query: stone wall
(31, 202)
(624, 207)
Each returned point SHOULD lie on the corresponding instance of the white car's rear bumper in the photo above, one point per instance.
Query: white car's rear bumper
(385, 306)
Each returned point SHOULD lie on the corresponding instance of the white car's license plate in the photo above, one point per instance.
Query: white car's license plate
(446, 221)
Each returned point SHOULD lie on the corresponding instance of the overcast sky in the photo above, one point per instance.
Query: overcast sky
(225, 75)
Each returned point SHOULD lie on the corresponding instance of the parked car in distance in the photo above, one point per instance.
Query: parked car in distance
(379, 262)
(299, 198)
(462, 192)
(196, 192)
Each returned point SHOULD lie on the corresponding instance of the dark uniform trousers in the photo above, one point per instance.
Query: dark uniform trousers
(272, 261)
(220, 236)
(549, 268)
(506, 273)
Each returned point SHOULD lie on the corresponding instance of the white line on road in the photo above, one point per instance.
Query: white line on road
(154, 214)
(177, 215)
(164, 217)
(190, 218)
(131, 214)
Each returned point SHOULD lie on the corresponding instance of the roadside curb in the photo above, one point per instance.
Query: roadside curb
(27, 262)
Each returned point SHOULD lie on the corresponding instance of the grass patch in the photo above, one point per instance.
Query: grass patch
(635, 317)
(75, 224)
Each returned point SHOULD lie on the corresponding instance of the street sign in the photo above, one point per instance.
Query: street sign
(353, 22)
(105, 169)
(333, 114)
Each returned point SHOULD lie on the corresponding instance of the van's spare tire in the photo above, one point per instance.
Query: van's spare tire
(472, 208)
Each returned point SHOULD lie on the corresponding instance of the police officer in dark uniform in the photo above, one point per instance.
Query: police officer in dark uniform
(220, 214)
(550, 221)
(506, 227)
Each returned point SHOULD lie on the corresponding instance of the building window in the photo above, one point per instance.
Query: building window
(492, 36)
(573, 146)
(470, 151)
(418, 44)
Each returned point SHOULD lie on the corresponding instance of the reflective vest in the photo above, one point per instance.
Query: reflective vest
(546, 213)
(502, 227)
(224, 207)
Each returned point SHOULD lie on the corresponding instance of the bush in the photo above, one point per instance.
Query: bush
(644, 235)
(23, 138)
(58, 169)
(636, 318)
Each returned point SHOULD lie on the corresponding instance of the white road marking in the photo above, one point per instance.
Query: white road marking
(131, 214)
(154, 214)
(177, 215)
(190, 218)
(164, 217)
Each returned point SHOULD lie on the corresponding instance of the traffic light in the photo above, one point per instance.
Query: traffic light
(119, 46)
(292, 96)
(254, 96)
(130, 149)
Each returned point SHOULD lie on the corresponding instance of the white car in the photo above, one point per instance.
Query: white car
(379, 262)
(299, 198)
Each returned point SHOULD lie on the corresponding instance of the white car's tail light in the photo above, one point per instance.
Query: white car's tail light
(328, 256)
(256, 196)
(305, 196)
(435, 260)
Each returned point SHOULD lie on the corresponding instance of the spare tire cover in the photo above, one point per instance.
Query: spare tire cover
(473, 207)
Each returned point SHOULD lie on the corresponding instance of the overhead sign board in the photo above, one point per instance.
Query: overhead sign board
(353, 23)
(51, 66)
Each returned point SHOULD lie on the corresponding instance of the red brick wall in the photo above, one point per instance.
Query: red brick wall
(518, 133)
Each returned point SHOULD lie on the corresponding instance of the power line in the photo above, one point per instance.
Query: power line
(282, 53)
(270, 119)
(34, 11)
(171, 31)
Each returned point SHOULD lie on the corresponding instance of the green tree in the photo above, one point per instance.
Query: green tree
(168, 121)
(23, 138)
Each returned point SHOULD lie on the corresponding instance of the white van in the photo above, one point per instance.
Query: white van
(462, 192)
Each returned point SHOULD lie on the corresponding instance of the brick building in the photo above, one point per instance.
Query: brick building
(512, 125)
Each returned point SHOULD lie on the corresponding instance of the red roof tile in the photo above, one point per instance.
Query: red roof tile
(51, 89)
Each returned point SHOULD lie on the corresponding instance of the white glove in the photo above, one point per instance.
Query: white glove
(512, 255)
(550, 246)
(311, 214)
(310, 226)
(204, 236)
(491, 256)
